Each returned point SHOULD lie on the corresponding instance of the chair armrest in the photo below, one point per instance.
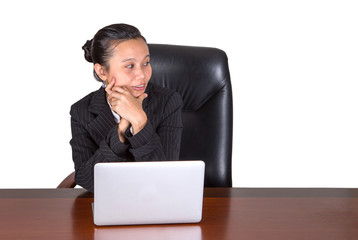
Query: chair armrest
(68, 182)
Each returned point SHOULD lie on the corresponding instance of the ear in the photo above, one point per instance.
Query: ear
(101, 72)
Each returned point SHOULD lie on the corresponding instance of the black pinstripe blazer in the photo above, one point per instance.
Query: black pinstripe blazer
(95, 136)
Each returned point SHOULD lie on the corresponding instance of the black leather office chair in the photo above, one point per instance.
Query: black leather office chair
(201, 76)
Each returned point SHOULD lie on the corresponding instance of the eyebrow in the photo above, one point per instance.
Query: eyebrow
(131, 59)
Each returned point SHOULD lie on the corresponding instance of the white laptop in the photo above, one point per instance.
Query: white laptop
(131, 193)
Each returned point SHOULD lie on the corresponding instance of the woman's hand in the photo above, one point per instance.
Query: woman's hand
(127, 106)
(123, 125)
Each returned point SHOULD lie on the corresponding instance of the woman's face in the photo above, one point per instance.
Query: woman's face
(129, 66)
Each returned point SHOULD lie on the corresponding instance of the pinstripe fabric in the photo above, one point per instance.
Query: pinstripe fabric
(95, 137)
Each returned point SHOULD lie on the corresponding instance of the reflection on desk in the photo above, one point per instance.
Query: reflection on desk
(175, 232)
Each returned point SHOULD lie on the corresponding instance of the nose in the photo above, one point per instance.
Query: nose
(140, 73)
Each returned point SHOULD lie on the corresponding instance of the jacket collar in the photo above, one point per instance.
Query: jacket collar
(98, 101)
(104, 119)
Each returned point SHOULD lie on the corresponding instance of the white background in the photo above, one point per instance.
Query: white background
(294, 71)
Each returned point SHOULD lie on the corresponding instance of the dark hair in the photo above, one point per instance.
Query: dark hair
(100, 48)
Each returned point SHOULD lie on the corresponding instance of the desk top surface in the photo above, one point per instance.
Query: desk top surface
(228, 213)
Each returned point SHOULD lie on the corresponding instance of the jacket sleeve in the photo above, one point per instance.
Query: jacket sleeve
(162, 142)
(86, 152)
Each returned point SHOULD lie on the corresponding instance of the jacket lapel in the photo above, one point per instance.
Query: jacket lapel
(104, 120)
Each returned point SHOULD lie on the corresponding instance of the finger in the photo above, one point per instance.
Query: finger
(122, 90)
(110, 86)
(143, 96)
(124, 122)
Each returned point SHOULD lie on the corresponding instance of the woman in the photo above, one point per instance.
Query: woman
(128, 118)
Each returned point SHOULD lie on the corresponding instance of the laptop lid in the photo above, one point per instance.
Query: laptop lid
(128, 193)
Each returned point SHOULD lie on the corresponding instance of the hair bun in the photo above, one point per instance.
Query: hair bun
(88, 50)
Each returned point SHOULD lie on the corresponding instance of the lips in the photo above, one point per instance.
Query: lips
(140, 87)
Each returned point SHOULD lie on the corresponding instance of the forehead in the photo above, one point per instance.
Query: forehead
(135, 49)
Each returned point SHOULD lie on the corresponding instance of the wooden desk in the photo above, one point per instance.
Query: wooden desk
(229, 213)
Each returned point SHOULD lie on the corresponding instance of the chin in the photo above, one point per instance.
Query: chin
(137, 94)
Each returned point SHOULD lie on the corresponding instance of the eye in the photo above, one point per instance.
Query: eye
(146, 63)
(130, 66)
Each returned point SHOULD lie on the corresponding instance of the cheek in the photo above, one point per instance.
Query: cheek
(148, 73)
(122, 79)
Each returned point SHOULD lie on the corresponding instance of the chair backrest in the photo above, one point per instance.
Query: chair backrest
(201, 76)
